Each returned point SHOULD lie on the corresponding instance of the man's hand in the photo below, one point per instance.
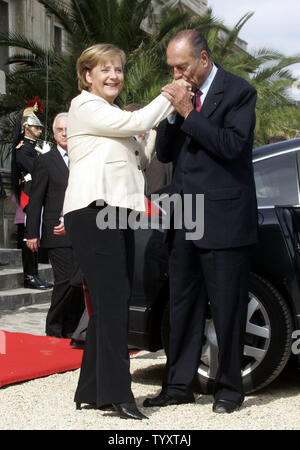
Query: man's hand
(180, 95)
(60, 230)
(33, 244)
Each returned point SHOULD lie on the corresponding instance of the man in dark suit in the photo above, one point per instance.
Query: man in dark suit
(49, 182)
(210, 144)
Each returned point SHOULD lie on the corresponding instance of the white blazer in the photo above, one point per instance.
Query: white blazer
(106, 161)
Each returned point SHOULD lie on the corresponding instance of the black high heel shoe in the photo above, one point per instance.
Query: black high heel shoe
(129, 411)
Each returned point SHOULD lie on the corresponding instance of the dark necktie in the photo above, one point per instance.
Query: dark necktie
(198, 104)
(67, 158)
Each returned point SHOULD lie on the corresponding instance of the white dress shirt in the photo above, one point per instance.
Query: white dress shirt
(64, 155)
(207, 83)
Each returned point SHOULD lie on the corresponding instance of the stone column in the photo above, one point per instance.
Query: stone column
(20, 19)
(8, 230)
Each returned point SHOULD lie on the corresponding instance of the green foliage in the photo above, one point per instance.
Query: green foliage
(52, 76)
(277, 114)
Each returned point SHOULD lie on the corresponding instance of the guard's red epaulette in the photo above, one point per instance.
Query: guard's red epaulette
(20, 144)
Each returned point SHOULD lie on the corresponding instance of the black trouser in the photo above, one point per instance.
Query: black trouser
(20, 235)
(195, 275)
(105, 258)
(29, 258)
(29, 261)
(67, 301)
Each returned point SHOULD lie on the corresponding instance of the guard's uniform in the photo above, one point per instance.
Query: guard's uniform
(25, 158)
(26, 155)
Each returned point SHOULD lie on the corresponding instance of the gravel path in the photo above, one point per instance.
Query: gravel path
(47, 404)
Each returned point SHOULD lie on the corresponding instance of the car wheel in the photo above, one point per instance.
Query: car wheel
(267, 341)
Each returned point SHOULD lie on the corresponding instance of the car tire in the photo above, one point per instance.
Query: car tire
(267, 341)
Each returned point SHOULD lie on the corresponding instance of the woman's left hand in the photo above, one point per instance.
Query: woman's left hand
(184, 83)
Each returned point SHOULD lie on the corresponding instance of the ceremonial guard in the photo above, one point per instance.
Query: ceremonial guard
(25, 150)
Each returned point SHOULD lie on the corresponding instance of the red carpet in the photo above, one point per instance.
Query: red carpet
(25, 356)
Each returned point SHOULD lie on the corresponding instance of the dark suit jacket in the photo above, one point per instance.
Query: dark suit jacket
(49, 182)
(211, 151)
(157, 175)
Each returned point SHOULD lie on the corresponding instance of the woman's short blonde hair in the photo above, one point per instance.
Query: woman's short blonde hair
(91, 57)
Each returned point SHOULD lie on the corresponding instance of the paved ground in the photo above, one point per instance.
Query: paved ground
(47, 403)
(28, 319)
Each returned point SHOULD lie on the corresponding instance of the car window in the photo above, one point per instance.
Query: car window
(276, 180)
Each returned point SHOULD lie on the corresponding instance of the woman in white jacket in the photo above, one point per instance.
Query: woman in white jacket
(106, 168)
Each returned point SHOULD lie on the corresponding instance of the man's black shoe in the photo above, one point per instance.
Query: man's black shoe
(77, 344)
(129, 411)
(225, 406)
(165, 400)
(48, 284)
(34, 282)
(67, 335)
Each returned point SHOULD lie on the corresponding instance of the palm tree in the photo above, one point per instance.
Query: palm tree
(52, 76)
(276, 112)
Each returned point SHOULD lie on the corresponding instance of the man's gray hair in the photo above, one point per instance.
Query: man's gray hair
(196, 40)
(57, 117)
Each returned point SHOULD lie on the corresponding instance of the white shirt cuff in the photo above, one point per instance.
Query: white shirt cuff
(171, 118)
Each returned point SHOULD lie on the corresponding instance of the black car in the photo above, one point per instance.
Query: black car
(274, 294)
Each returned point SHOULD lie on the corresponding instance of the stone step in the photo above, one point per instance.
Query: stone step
(10, 257)
(13, 299)
(13, 278)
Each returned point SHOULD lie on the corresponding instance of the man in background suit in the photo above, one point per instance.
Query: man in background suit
(210, 145)
(157, 174)
(49, 182)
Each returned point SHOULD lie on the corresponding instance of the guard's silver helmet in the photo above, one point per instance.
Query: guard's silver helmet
(30, 121)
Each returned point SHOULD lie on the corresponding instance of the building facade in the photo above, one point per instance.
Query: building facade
(30, 19)
(196, 6)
